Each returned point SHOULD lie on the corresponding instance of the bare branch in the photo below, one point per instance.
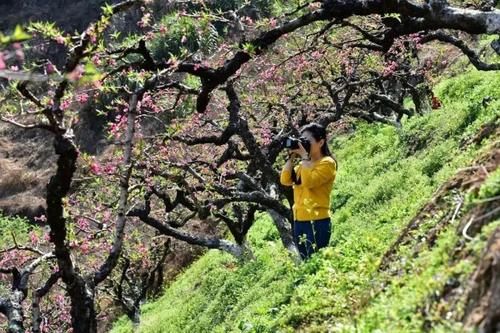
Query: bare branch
(37, 296)
(27, 126)
(112, 259)
(470, 53)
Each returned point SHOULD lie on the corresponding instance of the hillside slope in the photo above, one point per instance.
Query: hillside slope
(398, 260)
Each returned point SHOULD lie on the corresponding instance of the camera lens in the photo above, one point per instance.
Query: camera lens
(305, 143)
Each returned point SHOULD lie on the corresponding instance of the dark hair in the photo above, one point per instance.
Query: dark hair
(318, 132)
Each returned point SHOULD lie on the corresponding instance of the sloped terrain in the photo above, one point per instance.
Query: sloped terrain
(26, 163)
(399, 260)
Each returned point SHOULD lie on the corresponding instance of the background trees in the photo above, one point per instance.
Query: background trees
(198, 103)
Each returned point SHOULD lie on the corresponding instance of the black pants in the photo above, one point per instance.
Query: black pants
(310, 236)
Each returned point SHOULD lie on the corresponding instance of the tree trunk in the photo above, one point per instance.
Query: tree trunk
(83, 315)
(285, 232)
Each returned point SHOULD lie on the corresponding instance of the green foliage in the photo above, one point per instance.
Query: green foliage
(12, 226)
(185, 35)
(385, 176)
(489, 190)
(48, 30)
(470, 102)
(249, 48)
(19, 35)
(265, 7)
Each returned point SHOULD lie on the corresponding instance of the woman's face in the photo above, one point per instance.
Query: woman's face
(315, 145)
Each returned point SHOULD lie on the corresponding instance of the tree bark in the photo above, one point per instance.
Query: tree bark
(285, 232)
(81, 293)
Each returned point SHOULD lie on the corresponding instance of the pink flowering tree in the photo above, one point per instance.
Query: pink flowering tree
(196, 132)
(222, 161)
(55, 114)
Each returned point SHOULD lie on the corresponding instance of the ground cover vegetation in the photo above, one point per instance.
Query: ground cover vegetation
(195, 105)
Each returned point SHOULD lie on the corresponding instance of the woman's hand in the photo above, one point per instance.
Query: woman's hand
(302, 152)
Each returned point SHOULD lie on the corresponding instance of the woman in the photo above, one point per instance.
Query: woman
(312, 182)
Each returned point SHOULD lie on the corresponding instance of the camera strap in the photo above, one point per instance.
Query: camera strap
(295, 178)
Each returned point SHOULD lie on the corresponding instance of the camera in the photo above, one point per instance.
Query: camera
(293, 143)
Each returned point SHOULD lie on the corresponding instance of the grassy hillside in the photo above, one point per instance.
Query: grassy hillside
(386, 175)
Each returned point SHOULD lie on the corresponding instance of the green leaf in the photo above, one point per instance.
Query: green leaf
(3, 39)
(107, 10)
(115, 35)
(249, 48)
(91, 74)
(19, 34)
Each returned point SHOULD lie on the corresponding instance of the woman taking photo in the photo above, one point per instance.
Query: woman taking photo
(312, 180)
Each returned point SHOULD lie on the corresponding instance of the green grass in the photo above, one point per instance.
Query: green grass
(10, 228)
(386, 174)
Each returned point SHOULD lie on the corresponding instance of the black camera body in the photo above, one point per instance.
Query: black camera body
(293, 143)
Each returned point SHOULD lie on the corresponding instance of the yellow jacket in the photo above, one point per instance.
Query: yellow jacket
(312, 196)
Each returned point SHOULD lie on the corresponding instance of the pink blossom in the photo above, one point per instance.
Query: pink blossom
(266, 136)
(14, 68)
(65, 104)
(268, 74)
(149, 35)
(163, 29)
(20, 55)
(316, 55)
(95, 168)
(82, 98)
(416, 38)
(109, 168)
(390, 69)
(83, 224)
(60, 40)
(273, 23)
(2, 62)
(118, 125)
(41, 218)
(34, 238)
(91, 34)
(106, 216)
(96, 60)
(141, 248)
(50, 68)
(85, 247)
(145, 21)
(184, 39)
(147, 102)
(59, 299)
